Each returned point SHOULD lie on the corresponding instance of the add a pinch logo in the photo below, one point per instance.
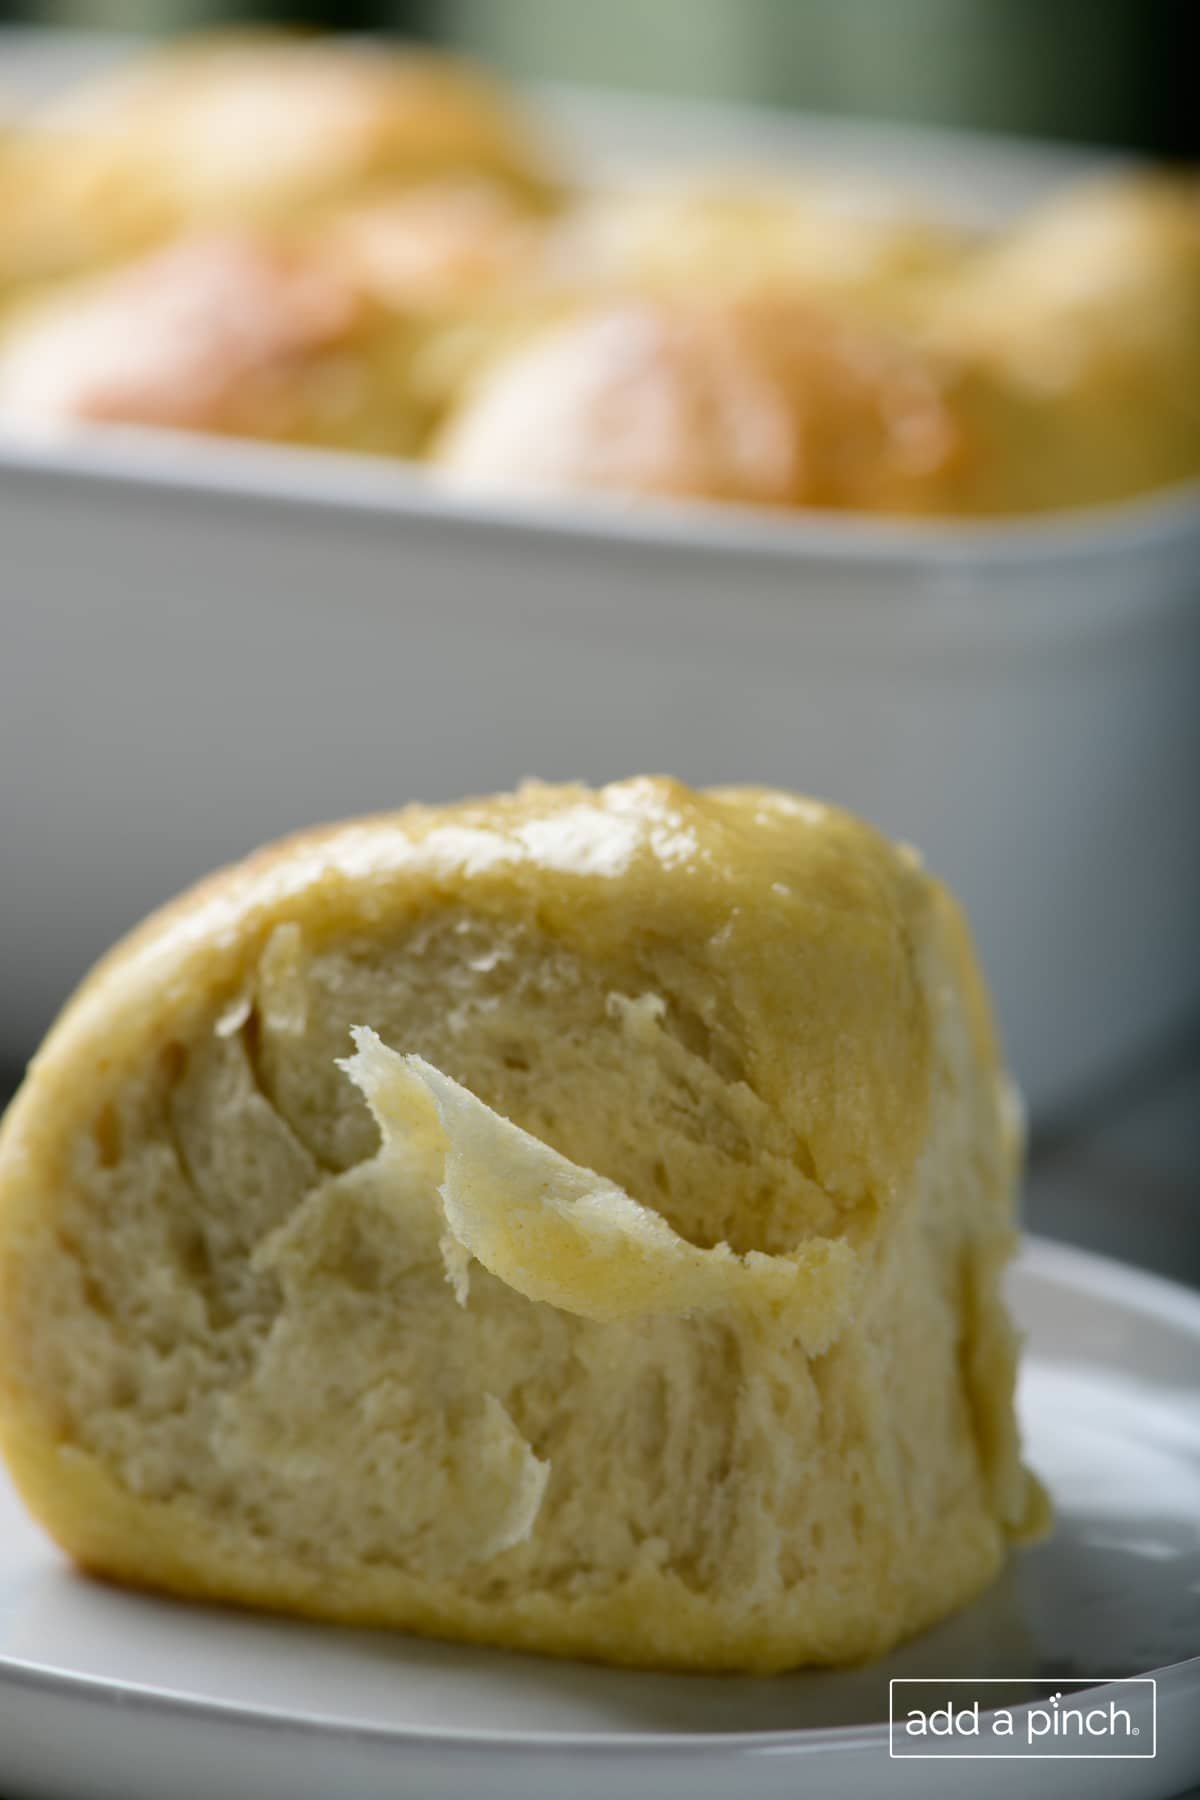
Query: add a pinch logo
(1092, 1717)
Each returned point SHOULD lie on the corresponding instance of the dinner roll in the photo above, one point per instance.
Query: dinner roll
(839, 243)
(766, 402)
(1079, 331)
(234, 333)
(573, 1221)
(245, 128)
(63, 211)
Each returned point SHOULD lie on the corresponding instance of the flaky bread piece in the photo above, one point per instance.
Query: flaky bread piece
(571, 1221)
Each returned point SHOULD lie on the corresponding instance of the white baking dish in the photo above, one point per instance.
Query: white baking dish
(208, 644)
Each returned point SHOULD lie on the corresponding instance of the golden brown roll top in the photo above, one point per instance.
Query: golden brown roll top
(768, 402)
(246, 129)
(1079, 337)
(230, 333)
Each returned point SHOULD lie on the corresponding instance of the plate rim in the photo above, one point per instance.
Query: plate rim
(1085, 1270)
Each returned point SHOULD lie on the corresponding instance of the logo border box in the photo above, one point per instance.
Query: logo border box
(1078, 1681)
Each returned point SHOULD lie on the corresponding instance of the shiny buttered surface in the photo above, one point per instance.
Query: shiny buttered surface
(788, 342)
(572, 1221)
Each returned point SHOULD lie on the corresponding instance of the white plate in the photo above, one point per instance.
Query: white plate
(104, 1693)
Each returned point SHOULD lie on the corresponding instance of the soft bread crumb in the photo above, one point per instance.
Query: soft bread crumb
(558, 1233)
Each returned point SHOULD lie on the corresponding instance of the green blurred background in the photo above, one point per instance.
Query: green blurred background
(1100, 71)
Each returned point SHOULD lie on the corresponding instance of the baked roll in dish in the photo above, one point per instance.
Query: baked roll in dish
(1079, 335)
(765, 401)
(260, 124)
(573, 1221)
(837, 243)
(63, 212)
(245, 129)
(234, 333)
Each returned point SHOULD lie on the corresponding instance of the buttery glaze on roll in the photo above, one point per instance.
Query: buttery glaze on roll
(572, 1221)
(1079, 336)
(260, 125)
(231, 333)
(767, 402)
